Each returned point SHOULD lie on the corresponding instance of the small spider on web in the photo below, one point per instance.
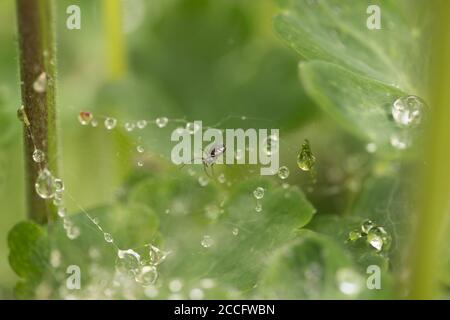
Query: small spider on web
(210, 158)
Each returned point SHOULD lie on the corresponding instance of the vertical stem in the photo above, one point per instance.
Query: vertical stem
(428, 239)
(35, 20)
(115, 49)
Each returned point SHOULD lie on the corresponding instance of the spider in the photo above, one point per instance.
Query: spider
(211, 157)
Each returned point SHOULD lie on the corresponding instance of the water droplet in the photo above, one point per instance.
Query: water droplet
(305, 159)
(94, 123)
(108, 237)
(196, 294)
(271, 144)
(192, 127)
(62, 212)
(141, 124)
(258, 207)
(203, 181)
(401, 141)
(147, 275)
(110, 123)
(38, 156)
(140, 163)
(354, 235)
(129, 126)
(258, 193)
(221, 178)
(175, 285)
(44, 185)
(408, 111)
(379, 239)
(140, 149)
(58, 199)
(85, 117)
(95, 220)
(67, 223)
(40, 84)
(283, 172)
(207, 241)
(128, 262)
(59, 185)
(235, 231)
(349, 281)
(73, 232)
(162, 122)
(366, 226)
(156, 255)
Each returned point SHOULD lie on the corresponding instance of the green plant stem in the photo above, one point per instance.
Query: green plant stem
(115, 49)
(428, 241)
(35, 20)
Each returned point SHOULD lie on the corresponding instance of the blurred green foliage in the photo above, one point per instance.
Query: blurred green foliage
(207, 60)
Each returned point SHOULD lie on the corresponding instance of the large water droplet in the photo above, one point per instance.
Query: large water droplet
(258, 193)
(366, 226)
(44, 185)
(408, 111)
(85, 117)
(147, 275)
(283, 172)
(207, 241)
(38, 156)
(305, 159)
(156, 255)
(110, 123)
(128, 262)
(162, 122)
(379, 239)
(40, 84)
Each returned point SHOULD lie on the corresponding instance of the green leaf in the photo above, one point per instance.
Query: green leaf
(28, 255)
(362, 71)
(305, 268)
(335, 31)
(360, 104)
(314, 266)
(28, 250)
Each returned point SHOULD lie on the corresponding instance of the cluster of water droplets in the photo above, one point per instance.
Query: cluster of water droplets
(408, 113)
(142, 269)
(87, 118)
(376, 236)
(258, 194)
